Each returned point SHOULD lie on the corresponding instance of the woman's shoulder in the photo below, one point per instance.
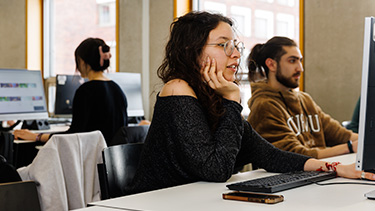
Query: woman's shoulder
(177, 87)
(98, 86)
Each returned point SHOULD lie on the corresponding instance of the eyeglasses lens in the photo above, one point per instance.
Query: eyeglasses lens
(230, 45)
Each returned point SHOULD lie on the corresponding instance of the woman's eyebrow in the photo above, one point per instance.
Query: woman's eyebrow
(223, 38)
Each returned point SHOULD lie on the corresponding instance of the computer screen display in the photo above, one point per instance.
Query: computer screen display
(130, 84)
(22, 95)
(366, 141)
(66, 86)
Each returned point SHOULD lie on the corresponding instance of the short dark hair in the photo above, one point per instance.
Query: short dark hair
(88, 51)
(188, 36)
(273, 49)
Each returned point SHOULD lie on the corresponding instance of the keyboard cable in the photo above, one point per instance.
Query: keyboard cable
(344, 183)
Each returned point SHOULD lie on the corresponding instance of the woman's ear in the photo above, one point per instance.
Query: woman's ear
(271, 64)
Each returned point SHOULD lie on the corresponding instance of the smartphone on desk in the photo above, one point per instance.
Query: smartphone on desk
(253, 197)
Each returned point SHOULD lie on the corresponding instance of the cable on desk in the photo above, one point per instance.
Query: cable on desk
(344, 183)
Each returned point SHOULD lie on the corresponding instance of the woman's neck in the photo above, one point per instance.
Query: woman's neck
(98, 76)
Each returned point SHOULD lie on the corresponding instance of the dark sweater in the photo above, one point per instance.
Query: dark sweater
(180, 148)
(99, 105)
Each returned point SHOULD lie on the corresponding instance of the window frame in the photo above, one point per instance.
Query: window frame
(48, 35)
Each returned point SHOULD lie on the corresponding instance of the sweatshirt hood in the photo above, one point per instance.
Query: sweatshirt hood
(263, 90)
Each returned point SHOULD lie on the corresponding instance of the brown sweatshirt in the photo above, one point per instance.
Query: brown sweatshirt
(292, 121)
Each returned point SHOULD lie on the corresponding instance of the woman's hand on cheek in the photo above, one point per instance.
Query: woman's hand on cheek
(215, 79)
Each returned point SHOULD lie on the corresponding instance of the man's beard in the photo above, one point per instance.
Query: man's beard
(287, 82)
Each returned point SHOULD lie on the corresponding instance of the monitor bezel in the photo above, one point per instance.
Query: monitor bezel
(56, 112)
(27, 115)
(135, 78)
(366, 136)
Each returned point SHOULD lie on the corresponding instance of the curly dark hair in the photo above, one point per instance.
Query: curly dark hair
(188, 37)
(273, 49)
(88, 51)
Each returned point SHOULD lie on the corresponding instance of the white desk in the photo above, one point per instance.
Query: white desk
(54, 128)
(97, 208)
(208, 196)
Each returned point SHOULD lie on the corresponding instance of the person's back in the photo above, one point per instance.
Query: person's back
(99, 105)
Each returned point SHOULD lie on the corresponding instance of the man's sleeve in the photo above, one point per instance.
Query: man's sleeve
(334, 132)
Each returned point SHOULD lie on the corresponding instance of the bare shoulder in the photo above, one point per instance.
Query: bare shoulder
(177, 87)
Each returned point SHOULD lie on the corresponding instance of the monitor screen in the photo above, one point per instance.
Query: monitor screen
(130, 84)
(366, 134)
(22, 95)
(66, 86)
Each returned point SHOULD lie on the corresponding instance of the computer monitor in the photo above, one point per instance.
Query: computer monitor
(22, 95)
(130, 84)
(366, 141)
(66, 86)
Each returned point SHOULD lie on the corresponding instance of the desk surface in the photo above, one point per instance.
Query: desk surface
(208, 196)
(53, 129)
(97, 208)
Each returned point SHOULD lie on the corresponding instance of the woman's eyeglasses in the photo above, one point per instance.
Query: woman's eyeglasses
(230, 45)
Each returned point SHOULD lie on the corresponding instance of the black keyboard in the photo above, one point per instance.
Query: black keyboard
(280, 182)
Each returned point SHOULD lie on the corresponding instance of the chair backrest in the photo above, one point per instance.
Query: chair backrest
(120, 163)
(129, 134)
(6, 145)
(8, 172)
(19, 196)
(65, 170)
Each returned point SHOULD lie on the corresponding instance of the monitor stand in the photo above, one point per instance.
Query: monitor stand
(38, 124)
(134, 120)
(370, 195)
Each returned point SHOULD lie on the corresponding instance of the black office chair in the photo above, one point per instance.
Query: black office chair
(6, 145)
(19, 196)
(129, 134)
(8, 172)
(119, 165)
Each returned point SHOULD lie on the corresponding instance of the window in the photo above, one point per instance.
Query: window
(67, 23)
(289, 3)
(106, 12)
(266, 1)
(263, 24)
(242, 16)
(256, 21)
(215, 7)
(285, 25)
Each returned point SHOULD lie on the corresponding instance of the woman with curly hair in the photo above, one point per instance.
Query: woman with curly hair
(197, 131)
